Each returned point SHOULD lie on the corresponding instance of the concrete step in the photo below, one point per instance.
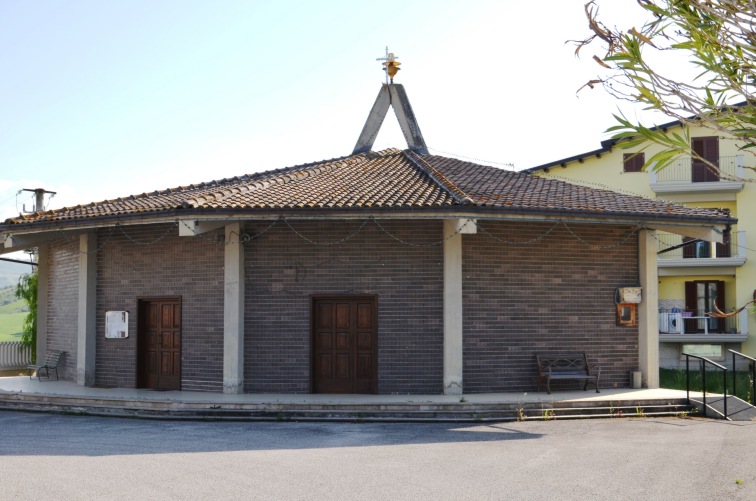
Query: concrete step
(414, 412)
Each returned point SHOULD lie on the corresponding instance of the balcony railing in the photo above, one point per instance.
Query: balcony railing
(683, 170)
(696, 325)
(696, 322)
(732, 247)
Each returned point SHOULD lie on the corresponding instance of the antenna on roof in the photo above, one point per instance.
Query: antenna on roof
(390, 65)
(39, 200)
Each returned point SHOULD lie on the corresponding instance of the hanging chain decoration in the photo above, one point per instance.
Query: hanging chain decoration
(335, 242)
(603, 247)
(432, 244)
(73, 244)
(245, 237)
(151, 242)
(523, 243)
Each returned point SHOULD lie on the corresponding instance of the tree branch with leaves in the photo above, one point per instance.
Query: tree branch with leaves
(716, 36)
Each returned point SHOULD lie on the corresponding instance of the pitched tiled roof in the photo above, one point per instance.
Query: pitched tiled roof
(386, 180)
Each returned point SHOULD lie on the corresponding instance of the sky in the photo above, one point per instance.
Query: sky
(102, 99)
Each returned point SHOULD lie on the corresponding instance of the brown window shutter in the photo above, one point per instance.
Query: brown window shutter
(633, 162)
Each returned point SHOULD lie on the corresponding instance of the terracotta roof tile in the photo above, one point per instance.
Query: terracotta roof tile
(389, 179)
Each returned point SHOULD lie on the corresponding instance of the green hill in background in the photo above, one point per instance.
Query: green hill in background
(12, 314)
(9, 273)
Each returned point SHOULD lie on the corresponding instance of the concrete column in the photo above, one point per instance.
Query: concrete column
(233, 311)
(648, 310)
(86, 335)
(43, 284)
(452, 309)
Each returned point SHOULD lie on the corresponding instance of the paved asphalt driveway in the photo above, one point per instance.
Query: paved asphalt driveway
(76, 457)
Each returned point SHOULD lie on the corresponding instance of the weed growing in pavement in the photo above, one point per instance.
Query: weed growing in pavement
(520, 413)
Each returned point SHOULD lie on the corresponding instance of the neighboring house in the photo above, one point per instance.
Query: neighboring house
(695, 276)
(378, 272)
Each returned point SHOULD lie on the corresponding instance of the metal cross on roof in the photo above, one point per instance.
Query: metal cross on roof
(390, 65)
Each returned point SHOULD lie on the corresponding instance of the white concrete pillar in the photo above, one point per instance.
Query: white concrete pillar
(233, 311)
(452, 308)
(43, 284)
(86, 334)
(648, 310)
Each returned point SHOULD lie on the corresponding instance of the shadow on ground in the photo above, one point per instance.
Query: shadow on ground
(29, 434)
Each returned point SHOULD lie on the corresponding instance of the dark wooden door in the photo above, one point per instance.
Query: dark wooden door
(708, 148)
(344, 345)
(159, 344)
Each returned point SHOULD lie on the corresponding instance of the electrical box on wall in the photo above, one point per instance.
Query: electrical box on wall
(629, 295)
(116, 324)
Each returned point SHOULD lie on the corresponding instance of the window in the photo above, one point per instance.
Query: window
(712, 351)
(700, 297)
(708, 149)
(633, 162)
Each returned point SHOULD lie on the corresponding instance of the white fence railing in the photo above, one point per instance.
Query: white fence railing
(14, 356)
(681, 170)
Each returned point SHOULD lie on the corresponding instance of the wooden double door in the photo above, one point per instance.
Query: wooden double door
(344, 340)
(159, 344)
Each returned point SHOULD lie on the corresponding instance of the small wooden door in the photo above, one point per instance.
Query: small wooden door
(708, 148)
(159, 344)
(344, 345)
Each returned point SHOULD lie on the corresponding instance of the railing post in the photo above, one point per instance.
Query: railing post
(724, 383)
(687, 377)
(703, 376)
(734, 379)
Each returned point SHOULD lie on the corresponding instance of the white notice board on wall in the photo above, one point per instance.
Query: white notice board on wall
(116, 324)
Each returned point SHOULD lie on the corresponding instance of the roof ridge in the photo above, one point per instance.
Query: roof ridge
(443, 182)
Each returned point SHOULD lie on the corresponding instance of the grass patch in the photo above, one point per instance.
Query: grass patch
(675, 379)
(10, 326)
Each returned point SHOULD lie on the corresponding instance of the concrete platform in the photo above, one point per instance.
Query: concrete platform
(23, 394)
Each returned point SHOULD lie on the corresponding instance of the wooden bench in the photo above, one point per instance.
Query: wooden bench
(562, 367)
(52, 359)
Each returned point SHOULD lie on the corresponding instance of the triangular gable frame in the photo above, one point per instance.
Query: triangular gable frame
(395, 96)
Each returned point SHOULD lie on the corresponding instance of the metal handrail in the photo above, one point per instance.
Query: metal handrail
(751, 367)
(704, 361)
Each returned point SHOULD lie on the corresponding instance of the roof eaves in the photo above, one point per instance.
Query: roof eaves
(608, 144)
(436, 211)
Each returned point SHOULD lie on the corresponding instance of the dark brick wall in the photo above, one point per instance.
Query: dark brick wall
(150, 261)
(283, 272)
(553, 295)
(63, 304)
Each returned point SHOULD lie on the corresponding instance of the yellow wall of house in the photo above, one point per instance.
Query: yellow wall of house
(746, 275)
(607, 172)
(674, 287)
